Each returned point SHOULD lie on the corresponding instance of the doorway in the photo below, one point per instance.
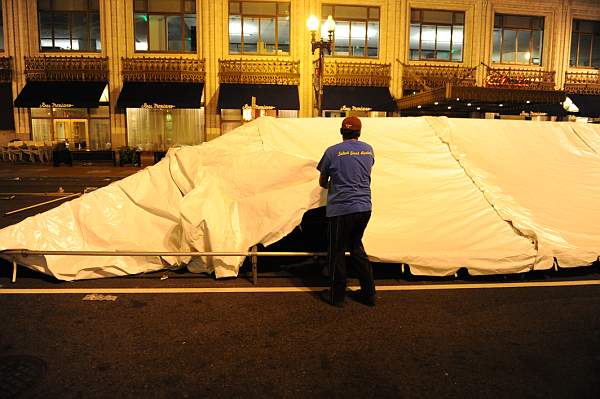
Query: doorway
(75, 131)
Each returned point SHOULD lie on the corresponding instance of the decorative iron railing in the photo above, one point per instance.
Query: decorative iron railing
(424, 77)
(251, 71)
(515, 78)
(163, 69)
(5, 70)
(56, 68)
(349, 73)
(583, 82)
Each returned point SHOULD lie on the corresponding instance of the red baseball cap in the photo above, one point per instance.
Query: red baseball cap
(351, 123)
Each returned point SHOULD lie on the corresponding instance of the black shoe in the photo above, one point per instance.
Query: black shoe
(326, 296)
(358, 296)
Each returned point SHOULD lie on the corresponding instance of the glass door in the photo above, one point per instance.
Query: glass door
(73, 131)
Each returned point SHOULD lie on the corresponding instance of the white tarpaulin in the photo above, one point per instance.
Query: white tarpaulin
(490, 195)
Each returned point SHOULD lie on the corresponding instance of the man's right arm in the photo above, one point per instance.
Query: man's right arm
(324, 181)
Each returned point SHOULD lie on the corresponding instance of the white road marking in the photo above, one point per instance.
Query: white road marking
(221, 290)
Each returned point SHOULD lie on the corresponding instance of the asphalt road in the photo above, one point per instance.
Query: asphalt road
(419, 342)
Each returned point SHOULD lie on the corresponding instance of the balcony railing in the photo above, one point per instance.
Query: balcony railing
(515, 78)
(583, 82)
(5, 70)
(348, 73)
(163, 69)
(424, 77)
(250, 71)
(56, 68)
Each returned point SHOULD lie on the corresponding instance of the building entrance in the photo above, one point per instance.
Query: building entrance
(75, 131)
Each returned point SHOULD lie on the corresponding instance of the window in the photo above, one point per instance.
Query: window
(165, 25)
(356, 30)
(517, 39)
(69, 25)
(83, 128)
(259, 27)
(1, 29)
(436, 35)
(158, 130)
(585, 44)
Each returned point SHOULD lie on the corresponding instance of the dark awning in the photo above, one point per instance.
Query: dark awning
(376, 98)
(60, 94)
(235, 96)
(160, 95)
(7, 120)
(589, 105)
(454, 100)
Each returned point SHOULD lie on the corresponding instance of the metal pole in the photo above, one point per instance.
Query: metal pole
(254, 265)
(14, 275)
(27, 252)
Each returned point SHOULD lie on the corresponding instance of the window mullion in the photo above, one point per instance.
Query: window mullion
(592, 36)
(182, 30)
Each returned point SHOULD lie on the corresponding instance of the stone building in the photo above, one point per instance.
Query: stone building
(156, 73)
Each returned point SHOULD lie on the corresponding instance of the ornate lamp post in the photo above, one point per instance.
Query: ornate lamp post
(313, 26)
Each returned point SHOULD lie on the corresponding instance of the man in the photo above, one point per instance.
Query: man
(346, 173)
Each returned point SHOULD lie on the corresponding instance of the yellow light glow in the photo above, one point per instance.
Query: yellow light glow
(330, 24)
(312, 23)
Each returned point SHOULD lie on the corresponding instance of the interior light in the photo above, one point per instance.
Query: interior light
(418, 106)
(435, 103)
(468, 104)
(569, 105)
(527, 101)
(457, 99)
(501, 105)
(449, 107)
(478, 108)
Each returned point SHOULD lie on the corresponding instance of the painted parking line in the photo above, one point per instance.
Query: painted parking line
(225, 290)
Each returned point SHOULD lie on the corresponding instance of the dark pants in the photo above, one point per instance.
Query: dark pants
(345, 234)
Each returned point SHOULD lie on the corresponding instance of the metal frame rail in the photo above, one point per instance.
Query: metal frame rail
(254, 254)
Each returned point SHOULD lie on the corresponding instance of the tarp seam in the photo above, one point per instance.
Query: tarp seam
(532, 237)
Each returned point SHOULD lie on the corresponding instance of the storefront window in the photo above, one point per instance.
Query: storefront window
(436, 35)
(517, 39)
(82, 128)
(259, 27)
(356, 30)
(157, 130)
(585, 44)
(165, 25)
(69, 25)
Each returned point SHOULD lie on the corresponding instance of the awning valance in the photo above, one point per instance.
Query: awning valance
(160, 95)
(235, 96)
(7, 120)
(37, 94)
(375, 98)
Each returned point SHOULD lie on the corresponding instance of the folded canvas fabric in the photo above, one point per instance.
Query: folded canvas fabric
(492, 196)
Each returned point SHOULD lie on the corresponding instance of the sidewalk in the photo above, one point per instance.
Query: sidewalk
(99, 169)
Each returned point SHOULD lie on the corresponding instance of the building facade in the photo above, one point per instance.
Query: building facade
(157, 73)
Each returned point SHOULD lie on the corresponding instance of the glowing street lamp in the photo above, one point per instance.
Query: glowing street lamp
(313, 27)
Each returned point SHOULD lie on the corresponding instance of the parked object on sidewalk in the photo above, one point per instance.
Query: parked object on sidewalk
(491, 196)
(129, 156)
(61, 154)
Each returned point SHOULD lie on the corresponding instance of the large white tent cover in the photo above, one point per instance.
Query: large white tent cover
(493, 196)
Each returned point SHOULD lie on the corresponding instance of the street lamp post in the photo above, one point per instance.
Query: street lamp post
(313, 26)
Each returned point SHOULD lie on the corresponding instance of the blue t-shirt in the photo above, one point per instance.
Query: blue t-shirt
(348, 165)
